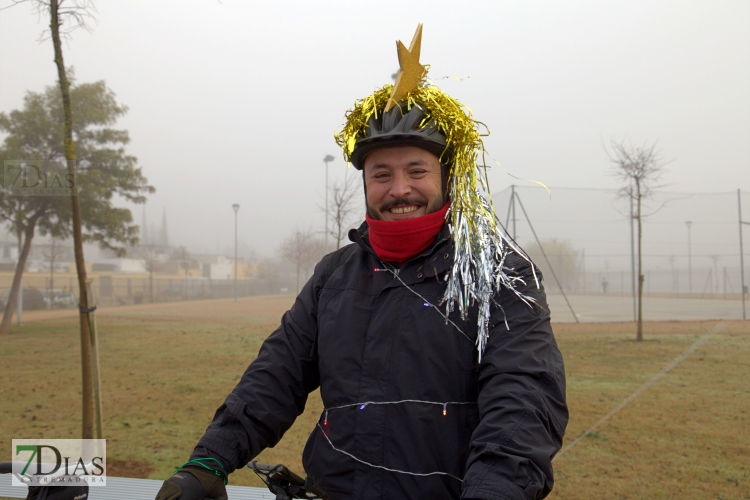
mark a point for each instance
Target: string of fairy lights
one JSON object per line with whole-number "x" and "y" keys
{"x": 426, "y": 302}
{"x": 375, "y": 466}
{"x": 364, "y": 404}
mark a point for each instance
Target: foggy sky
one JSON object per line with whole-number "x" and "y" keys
{"x": 237, "y": 102}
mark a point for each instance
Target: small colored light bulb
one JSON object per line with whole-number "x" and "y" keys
{"x": 325, "y": 420}
{"x": 445, "y": 409}
{"x": 362, "y": 407}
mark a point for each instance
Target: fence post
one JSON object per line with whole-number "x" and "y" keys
{"x": 742, "y": 256}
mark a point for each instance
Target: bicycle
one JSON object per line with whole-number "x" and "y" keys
{"x": 77, "y": 492}
{"x": 285, "y": 484}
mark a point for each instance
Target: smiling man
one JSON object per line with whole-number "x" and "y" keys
{"x": 402, "y": 182}
{"x": 429, "y": 336}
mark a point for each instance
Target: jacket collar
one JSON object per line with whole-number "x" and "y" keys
{"x": 435, "y": 260}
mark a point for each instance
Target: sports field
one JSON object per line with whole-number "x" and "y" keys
{"x": 167, "y": 367}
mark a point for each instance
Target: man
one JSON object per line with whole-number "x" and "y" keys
{"x": 429, "y": 337}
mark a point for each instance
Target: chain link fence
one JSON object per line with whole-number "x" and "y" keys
{"x": 690, "y": 249}
{"x": 123, "y": 289}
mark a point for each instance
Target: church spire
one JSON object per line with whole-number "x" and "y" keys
{"x": 163, "y": 235}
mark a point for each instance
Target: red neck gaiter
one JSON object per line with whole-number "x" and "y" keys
{"x": 400, "y": 240}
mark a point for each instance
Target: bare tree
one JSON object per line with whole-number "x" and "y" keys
{"x": 344, "y": 203}
{"x": 303, "y": 249}
{"x": 639, "y": 168}
{"x": 52, "y": 255}
{"x": 562, "y": 257}
{"x": 268, "y": 268}
{"x": 715, "y": 260}
{"x": 675, "y": 288}
{"x": 268, "y": 273}
{"x": 314, "y": 251}
{"x": 152, "y": 264}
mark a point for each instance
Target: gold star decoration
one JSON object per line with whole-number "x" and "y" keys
{"x": 410, "y": 72}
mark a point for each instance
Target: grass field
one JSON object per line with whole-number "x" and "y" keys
{"x": 167, "y": 367}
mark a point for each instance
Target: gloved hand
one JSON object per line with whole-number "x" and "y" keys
{"x": 193, "y": 483}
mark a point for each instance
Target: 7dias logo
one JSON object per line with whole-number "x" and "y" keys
{"x": 59, "y": 462}
{"x": 37, "y": 178}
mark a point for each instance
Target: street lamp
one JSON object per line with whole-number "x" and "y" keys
{"x": 327, "y": 159}
{"x": 690, "y": 259}
{"x": 236, "y": 208}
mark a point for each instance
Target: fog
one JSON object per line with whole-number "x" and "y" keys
{"x": 237, "y": 102}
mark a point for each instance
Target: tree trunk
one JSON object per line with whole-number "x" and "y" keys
{"x": 339, "y": 222}
{"x": 639, "y": 334}
{"x": 86, "y": 362}
{"x": 52, "y": 259}
{"x": 13, "y": 295}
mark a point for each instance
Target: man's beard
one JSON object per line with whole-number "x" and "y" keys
{"x": 433, "y": 206}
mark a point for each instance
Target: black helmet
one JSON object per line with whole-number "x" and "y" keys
{"x": 400, "y": 127}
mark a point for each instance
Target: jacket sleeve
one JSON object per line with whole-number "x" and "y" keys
{"x": 273, "y": 390}
{"x": 522, "y": 409}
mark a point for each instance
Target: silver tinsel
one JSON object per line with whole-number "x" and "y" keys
{"x": 480, "y": 246}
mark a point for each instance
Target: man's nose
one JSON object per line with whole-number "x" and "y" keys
{"x": 401, "y": 185}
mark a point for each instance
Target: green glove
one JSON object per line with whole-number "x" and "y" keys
{"x": 193, "y": 483}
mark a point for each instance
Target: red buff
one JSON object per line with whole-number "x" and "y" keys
{"x": 400, "y": 240}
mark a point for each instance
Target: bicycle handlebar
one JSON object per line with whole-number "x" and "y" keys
{"x": 282, "y": 481}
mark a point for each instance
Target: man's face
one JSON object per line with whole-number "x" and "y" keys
{"x": 402, "y": 182}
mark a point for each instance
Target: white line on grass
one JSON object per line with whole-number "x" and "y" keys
{"x": 676, "y": 361}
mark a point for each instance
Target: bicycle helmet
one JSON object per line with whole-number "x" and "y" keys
{"x": 400, "y": 126}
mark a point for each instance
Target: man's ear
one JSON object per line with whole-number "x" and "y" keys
{"x": 445, "y": 171}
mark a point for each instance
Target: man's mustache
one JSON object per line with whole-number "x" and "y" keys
{"x": 402, "y": 201}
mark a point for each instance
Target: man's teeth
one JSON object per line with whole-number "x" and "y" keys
{"x": 403, "y": 210}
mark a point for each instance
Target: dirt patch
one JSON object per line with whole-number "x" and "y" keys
{"x": 129, "y": 468}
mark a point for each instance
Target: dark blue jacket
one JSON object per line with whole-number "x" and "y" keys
{"x": 366, "y": 337}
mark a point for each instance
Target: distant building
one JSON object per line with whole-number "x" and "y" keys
{"x": 215, "y": 266}
{"x": 8, "y": 254}
{"x": 119, "y": 266}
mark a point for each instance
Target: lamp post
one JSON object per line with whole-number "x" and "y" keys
{"x": 327, "y": 159}
{"x": 236, "y": 208}
{"x": 690, "y": 259}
